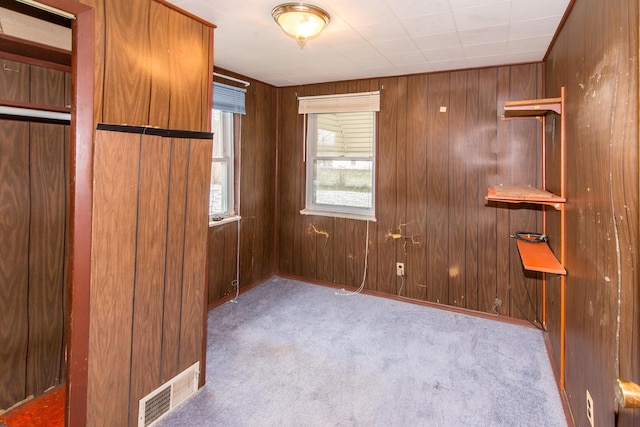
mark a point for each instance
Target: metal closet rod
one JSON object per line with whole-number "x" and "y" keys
{"x": 233, "y": 79}
{"x": 34, "y": 113}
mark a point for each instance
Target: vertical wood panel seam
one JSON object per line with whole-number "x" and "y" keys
{"x": 166, "y": 260}
{"x": 105, "y": 35}
{"x": 184, "y": 248}
{"x": 135, "y": 277}
{"x": 30, "y": 186}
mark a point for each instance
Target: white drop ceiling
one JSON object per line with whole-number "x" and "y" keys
{"x": 376, "y": 38}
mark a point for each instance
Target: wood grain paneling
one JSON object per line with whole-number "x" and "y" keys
{"x": 15, "y": 81}
{"x": 47, "y": 87}
{"x": 457, "y": 188}
{"x": 151, "y": 260}
{"x": 474, "y": 190}
{"x": 115, "y": 191}
{"x": 148, "y": 273}
{"x": 14, "y": 260}
{"x": 195, "y": 249}
{"x": 386, "y": 187}
{"x": 152, "y": 66}
{"x": 256, "y": 134}
{"x": 34, "y": 197}
{"x": 47, "y": 257}
{"x": 595, "y": 57}
{"x": 437, "y": 188}
{"x": 416, "y": 185}
{"x": 440, "y": 144}
{"x": 176, "y": 217}
{"x": 487, "y": 218}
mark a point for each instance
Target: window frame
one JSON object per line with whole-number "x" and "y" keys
{"x": 229, "y": 145}
{"x": 339, "y": 211}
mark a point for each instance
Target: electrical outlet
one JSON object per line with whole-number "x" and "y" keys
{"x": 590, "y": 416}
{"x": 498, "y": 302}
{"x": 399, "y": 268}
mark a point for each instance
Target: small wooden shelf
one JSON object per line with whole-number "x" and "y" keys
{"x": 538, "y": 257}
{"x": 532, "y": 108}
{"x": 524, "y": 194}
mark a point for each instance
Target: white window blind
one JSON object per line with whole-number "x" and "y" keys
{"x": 345, "y": 134}
{"x": 229, "y": 98}
{"x": 343, "y": 103}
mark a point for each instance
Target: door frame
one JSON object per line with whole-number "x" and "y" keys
{"x": 80, "y": 203}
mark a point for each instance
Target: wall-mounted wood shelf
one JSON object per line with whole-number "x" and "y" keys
{"x": 532, "y": 108}
{"x": 524, "y": 194}
{"x": 538, "y": 257}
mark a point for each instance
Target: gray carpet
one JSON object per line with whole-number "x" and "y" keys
{"x": 295, "y": 354}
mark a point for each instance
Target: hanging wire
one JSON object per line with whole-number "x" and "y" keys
{"x": 346, "y": 293}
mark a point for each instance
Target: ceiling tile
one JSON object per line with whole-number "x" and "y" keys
{"x": 437, "y": 41}
{"x": 489, "y": 49}
{"x": 484, "y": 35}
{"x": 359, "y": 13}
{"x": 429, "y": 24}
{"x": 484, "y": 16}
{"x": 373, "y": 38}
{"x": 407, "y": 58}
{"x": 409, "y": 8}
{"x": 394, "y": 46}
{"x": 534, "y": 28}
{"x": 527, "y": 45}
{"x": 526, "y": 10}
{"x": 381, "y": 32}
{"x": 444, "y": 54}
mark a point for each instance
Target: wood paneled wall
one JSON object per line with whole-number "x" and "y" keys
{"x": 596, "y": 58}
{"x": 33, "y": 200}
{"x": 257, "y": 156}
{"x": 148, "y": 268}
{"x": 433, "y": 171}
{"x": 152, "y": 66}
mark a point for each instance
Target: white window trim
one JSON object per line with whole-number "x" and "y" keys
{"x": 228, "y": 158}
{"x": 225, "y": 220}
{"x": 349, "y": 102}
{"x": 336, "y": 211}
{"x": 337, "y": 214}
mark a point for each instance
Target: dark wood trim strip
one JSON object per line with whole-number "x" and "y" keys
{"x": 81, "y": 196}
{"x": 34, "y": 50}
{"x": 145, "y": 130}
{"x": 459, "y": 310}
{"x": 558, "y": 30}
{"x": 556, "y": 374}
{"x": 33, "y": 61}
{"x": 243, "y": 289}
{"x": 205, "y": 317}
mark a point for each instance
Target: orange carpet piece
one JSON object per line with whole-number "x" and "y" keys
{"x": 46, "y": 410}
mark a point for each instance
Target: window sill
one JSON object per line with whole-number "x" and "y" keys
{"x": 223, "y": 221}
{"x": 335, "y": 214}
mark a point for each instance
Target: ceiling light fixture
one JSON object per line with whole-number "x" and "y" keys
{"x": 300, "y": 21}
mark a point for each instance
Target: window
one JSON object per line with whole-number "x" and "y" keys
{"x": 228, "y": 105}
{"x": 340, "y": 155}
{"x": 222, "y": 177}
